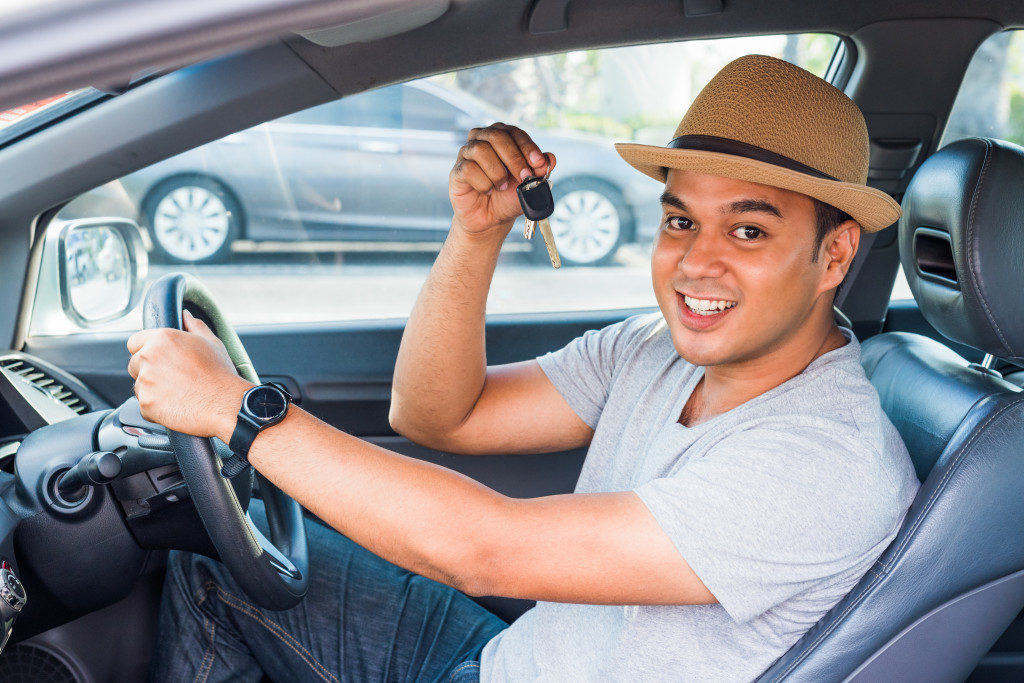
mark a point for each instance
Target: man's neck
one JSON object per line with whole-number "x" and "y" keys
{"x": 725, "y": 387}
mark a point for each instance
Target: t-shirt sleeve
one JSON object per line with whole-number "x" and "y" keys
{"x": 766, "y": 514}
{"x": 582, "y": 370}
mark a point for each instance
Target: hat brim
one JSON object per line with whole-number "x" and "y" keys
{"x": 871, "y": 208}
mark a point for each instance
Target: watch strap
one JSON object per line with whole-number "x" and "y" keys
{"x": 246, "y": 431}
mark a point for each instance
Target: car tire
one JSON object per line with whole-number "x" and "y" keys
{"x": 590, "y": 222}
{"x": 192, "y": 219}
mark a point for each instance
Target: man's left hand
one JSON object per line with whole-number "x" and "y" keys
{"x": 185, "y": 380}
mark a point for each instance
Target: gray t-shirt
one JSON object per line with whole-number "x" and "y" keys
{"x": 779, "y": 505}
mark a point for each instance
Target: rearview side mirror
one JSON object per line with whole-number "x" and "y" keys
{"x": 101, "y": 266}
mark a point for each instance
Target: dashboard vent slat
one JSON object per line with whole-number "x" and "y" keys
{"x": 48, "y": 385}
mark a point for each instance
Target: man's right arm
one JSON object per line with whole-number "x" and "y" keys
{"x": 444, "y": 395}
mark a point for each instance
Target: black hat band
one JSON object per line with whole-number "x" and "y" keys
{"x": 712, "y": 143}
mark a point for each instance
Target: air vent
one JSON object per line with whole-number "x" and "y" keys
{"x": 42, "y": 381}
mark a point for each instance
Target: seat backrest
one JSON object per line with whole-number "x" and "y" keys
{"x": 953, "y": 578}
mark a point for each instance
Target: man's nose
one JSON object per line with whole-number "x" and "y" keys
{"x": 703, "y": 257}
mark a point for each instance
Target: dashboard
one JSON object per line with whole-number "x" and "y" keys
{"x": 34, "y": 394}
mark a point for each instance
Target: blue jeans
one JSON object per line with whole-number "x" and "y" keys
{"x": 363, "y": 619}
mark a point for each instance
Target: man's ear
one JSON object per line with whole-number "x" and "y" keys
{"x": 838, "y": 249}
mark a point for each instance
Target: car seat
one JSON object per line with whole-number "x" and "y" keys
{"x": 953, "y": 578}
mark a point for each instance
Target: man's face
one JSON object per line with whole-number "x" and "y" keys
{"x": 734, "y": 271}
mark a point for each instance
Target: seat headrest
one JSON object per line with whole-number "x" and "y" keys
{"x": 962, "y": 244}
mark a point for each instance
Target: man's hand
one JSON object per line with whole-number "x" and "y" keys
{"x": 185, "y": 380}
{"x": 444, "y": 395}
{"x": 482, "y": 185}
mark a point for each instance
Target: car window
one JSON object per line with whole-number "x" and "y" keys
{"x": 374, "y": 109}
{"x": 424, "y": 111}
{"x": 337, "y": 212}
{"x": 990, "y": 103}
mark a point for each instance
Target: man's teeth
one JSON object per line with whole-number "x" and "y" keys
{"x": 707, "y": 306}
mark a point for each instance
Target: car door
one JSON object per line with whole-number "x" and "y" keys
{"x": 336, "y": 159}
{"x": 328, "y": 324}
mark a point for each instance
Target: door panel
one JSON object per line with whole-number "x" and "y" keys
{"x": 342, "y": 371}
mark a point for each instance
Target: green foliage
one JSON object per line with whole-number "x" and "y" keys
{"x": 815, "y": 51}
{"x": 1013, "y": 90}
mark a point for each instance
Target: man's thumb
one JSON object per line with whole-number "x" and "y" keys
{"x": 195, "y": 325}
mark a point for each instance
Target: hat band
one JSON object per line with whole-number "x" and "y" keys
{"x": 713, "y": 143}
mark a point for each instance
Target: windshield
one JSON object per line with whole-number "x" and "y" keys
{"x": 27, "y": 118}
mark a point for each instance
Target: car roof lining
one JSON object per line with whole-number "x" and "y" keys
{"x": 54, "y": 48}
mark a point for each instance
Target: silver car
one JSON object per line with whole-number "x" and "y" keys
{"x": 371, "y": 167}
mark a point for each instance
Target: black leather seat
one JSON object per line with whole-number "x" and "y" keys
{"x": 953, "y": 578}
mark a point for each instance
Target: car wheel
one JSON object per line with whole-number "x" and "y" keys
{"x": 589, "y": 223}
{"x": 192, "y": 220}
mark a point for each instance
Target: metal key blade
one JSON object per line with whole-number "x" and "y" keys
{"x": 528, "y": 232}
{"x": 549, "y": 242}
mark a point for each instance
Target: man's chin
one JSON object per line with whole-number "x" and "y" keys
{"x": 699, "y": 348}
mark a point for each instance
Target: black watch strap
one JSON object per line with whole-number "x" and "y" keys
{"x": 247, "y": 429}
{"x": 241, "y": 441}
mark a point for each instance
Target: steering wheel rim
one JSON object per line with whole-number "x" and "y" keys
{"x": 273, "y": 572}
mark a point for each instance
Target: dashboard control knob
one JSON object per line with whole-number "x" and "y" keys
{"x": 11, "y": 590}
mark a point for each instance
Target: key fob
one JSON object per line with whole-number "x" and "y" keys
{"x": 535, "y": 198}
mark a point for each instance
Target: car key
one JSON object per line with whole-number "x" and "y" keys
{"x": 537, "y": 202}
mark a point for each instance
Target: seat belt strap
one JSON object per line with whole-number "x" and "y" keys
{"x": 866, "y": 241}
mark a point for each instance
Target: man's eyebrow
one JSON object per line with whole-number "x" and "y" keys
{"x": 752, "y": 206}
{"x": 669, "y": 199}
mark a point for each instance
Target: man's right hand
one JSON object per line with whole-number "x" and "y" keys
{"x": 489, "y": 167}
{"x": 444, "y": 395}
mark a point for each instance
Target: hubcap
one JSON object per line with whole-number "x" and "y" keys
{"x": 191, "y": 223}
{"x": 586, "y": 226}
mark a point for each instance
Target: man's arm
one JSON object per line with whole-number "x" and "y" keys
{"x": 444, "y": 395}
{"x": 593, "y": 548}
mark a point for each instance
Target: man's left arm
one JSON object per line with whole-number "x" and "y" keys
{"x": 580, "y": 548}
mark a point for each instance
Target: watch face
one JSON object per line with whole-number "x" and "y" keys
{"x": 265, "y": 403}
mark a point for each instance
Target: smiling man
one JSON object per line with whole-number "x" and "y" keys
{"x": 740, "y": 478}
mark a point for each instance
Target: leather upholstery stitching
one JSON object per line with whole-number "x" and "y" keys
{"x": 971, "y": 230}
{"x": 897, "y": 554}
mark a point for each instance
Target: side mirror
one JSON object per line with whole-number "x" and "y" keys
{"x": 101, "y": 266}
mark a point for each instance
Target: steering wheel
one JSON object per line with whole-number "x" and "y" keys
{"x": 273, "y": 572}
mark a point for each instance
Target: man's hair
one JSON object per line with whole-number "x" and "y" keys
{"x": 827, "y": 218}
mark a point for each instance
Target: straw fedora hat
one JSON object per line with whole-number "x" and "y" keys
{"x": 763, "y": 120}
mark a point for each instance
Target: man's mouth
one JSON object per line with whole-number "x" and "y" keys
{"x": 702, "y": 314}
{"x": 707, "y": 307}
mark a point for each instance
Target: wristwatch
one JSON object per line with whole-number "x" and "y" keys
{"x": 263, "y": 406}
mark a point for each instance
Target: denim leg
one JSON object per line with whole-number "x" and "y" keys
{"x": 363, "y": 619}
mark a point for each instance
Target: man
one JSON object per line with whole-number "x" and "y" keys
{"x": 741, "y": 476}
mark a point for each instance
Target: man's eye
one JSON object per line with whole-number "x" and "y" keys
{"x": 678, "y": 223}
{"x": 748, "y": 233}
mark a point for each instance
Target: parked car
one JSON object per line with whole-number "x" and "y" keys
{"x": 318, "y": 175}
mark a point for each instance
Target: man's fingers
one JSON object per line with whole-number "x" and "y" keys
{"x": 470, "y": 173}
{"x": 487, "y": 159}
{"x": 507, "y": 149}
{"x": 139, "y": 339}
{"x": 538, "y": 160}
{"x": 196, "y": 326}
{"x": 133, "y": 366}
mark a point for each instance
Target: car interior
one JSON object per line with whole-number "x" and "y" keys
{"x": 944, "y": 601}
